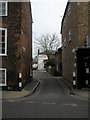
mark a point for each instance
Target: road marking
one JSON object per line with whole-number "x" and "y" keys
{"x": 48, "y": 103}
{"x": 74, "y": 105}
{"x": 31, "y": 102}
{"x": 17, "y": 101}
{"x": 13, "y": 101}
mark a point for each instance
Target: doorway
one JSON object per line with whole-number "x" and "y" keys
{"x": 83, "y": 67}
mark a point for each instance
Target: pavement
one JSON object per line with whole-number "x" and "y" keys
{"x": 83, "y": 92}
{"x": 28, "y": 90}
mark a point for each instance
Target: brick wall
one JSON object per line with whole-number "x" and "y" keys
{"x": 26, "y": 41}
{"x": 77, "y": 21}
{"x": 13, "y": 24}
{"x": 19, "y": 45}
{"x": 82, "y": 23}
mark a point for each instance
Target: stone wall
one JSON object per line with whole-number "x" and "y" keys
{"x": 77, "y": 21}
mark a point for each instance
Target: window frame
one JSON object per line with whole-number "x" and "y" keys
{"x": 6, "y": 8}
{"x": 5, "y": 54}
{"x": 4, "y": 84}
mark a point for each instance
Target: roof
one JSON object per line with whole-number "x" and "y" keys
{"x": 59, "y": 50}
{"x": 51, "y": 52}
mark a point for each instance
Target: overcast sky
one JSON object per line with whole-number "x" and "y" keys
{"x": 47, "y": 16}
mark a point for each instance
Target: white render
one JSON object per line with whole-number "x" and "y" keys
{"x": 41, "y": 58}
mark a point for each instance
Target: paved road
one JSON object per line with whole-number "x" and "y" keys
{"x": 50, "y": 100}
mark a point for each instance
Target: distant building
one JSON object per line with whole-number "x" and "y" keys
{"x": 76, "y": 44}
{"x": 15, "y": 44}
{"x": 35, "y": 63}
{"x": 42, "y": 57}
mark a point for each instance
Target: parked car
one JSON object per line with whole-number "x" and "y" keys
{"x": 35, "y": 66}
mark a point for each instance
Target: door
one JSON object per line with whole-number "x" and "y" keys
{"x": 83, "y": 68}
{"x": 87, "y": 71}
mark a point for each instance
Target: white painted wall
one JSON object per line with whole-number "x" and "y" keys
{"x": 41, "y": 59}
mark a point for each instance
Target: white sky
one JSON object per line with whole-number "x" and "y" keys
{"x": 47, "y": 16}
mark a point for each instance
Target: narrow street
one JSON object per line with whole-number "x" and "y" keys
{"x": 50, "y": 100}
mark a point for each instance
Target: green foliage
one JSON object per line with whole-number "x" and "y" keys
{"x": 50, "y": 62}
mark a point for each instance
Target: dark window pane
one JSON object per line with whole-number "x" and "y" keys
{"x": 3, "y": 5}
{"x": 3, "y": 8}
{"x": 3, "y": 39}
{"x": 3, "y": 51}
{"x": 3, "y": 73}
{"x": 2, "y": 76}
{"x": 3, "y": 80}
{"x": 3, "y": 32}
{"x": 3, "y": 12}
{"x": 3, "y": 45}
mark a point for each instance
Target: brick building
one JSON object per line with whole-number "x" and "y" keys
{"x": 15, "y": 44}
{"x": 76, "y": 44}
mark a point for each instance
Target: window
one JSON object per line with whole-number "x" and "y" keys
{"x": 3, "y": 8}
{"x": 69, "y": 34}
{"x": 2, "y": 77}
{"x": 3, "y": 41}
{"x": 64, "y": 42}
{"x": 69, "y": 10}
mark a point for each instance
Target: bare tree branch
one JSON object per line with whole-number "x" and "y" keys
{"x": 48, "y": 42}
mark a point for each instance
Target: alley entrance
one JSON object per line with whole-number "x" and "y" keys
{"x": 50, "y": 100}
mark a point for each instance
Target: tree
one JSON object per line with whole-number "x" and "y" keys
{"x": 47, "y": 43}
{"x": 50, "y": 62}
